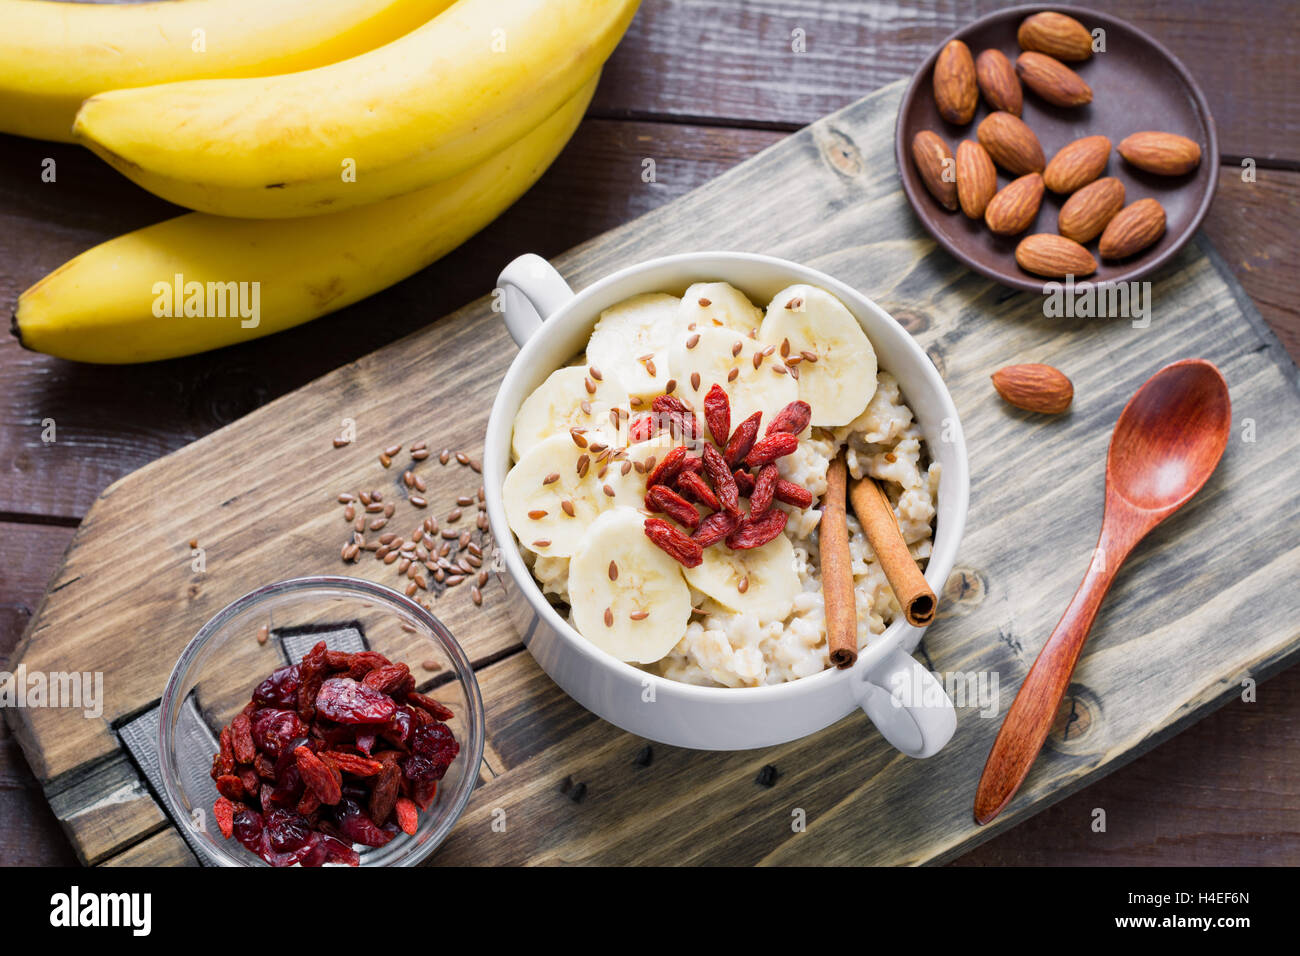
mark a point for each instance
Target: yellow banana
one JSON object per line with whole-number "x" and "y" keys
{"x": 396, "y": 119}
{"x": 126, "y": 300}
{"x": 54, "y": 55}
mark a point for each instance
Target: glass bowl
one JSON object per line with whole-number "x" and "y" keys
{"x": 218, "y": 670}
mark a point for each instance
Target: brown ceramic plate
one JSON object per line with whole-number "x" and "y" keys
{"x": 1136, "y": 85}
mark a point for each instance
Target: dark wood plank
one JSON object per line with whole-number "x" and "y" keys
{"x": 733, "y": 60}
{"x": 111, "y": 420}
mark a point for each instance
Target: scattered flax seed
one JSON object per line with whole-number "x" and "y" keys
{"x": 691, "y": 327}
{"x": 392, "y": 451}
{"x": 464, "y": 539}
{"x": 780, "y": 369}
{"x": 743, "y": 584}
{"x": 421, "y": 582}
{"x": 420, "y": 455}
{"x": 542, "y": 543}
{"x": 636, "y": 401}
{"x": 263, "y": 633}
{"x": 735, "y": 349}
{"x": 482, "y": 494}
{"x": 450, "y": 534}
{"x": 585, "y": 406}
{"x": 567, "y": 507}
{"x": 595, "y": 373}
{"x": 578, "y": 438}
{"x": 341, "y": 442}
{"x": 768, "y": 350}
{"x": 465, "y": 501}
{"x": 346, "y": 498}
{"x": 462, "y": 458}
{"x": 389, "y": 509}
{"x": 431, "y": 665}
{"x": 453, "y": 516}
{"x": 785, "y": 347}
{"x": 808, "y": 356}
{"x": 349, "y": 513}
{"x": 705, "y": 303}
{"x": 359, "y": 539}
{"x": 444, "y": 550}
{"x": 597, "y": 447}
{"x": 609, "y": 492}
{"x": 365, "y": 497}
{"x": 670, "y": 386}
{"x": 794, "y": 372}
{"x": 386, "y": 461}
{"x": 645, "y": 358}
{"x": 430, "y": 525}
{"x": 444, "y": 456}
{"x": 639, "y": 615}
{"x": 554, "y": 476}
{"x": 454, "y": 579}
{"x": 411, "y": 589}
{"x": 732, "y": 375}
{"x": 627, "y": 466}
{"x": 475, "y": 466}
{"x": 613, "y": 570}
{"x": 693, "y": 341}
{"x": 403, "y": 565}
{"x": 603, "y": 469}
{"x": 695, "y": 381}
{"x": 758, "y": 359}
{"x": 476, "y": 596}
{"x": 419, "y": 445}
{"x": 418, "y": 501}
{"x": 649, "y": 464}
{"x": 420, "y": 486}
{"x": 390, "y": 557}
{"x": 795, "y": 304}
{"x": 589, "y": 385}
{"x": 609, "y": 617}
{"x": 374, "y": 507}
{"x": 440, "y": 575}
{"x": 482, "y": 522}
{"x": 378, "y": 523}
{"x": 537, "y": 514}
{"x": 753, "y": 334}
{"x": 482, "y": 578}
{"x": 474, "y": 562}
{"x": 349, "y": 551}
{"x": 408, "y": 478}
{"x": 584, "y": 462}
{"x": 650, "y": 368}
{"x": 359, "y": 524}
{"x": 194, "y": 543}
{"x": 388, "y": 537}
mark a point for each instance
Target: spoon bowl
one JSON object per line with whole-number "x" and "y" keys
{"x": 1165, "y": 446}
{"x": 1170, "y": 437}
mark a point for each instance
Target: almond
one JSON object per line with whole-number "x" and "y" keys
{"x": 1086, "y": 213}
{"x": 1047, "y": 254}
{"x": 1133, "y": 229}
{"x": 955, "y": 91}
{"x": 937, "y": 168}
{"x": 1077, "y": 164}
{"x": 977, "y": 180}
{"x": 1011, "y": 143}
{"x": 998, "y": 82}
{"x": 1056, "y": 35}
{"x": 1165, "y": 154}
{"x": 1052, "y": 80}
{"x": 1035, "y": 388}
{"x": 1014, "y": 207}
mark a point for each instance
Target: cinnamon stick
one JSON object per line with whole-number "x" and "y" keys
{"x": 837, "y": 568}
{"x": 883, "y": 534}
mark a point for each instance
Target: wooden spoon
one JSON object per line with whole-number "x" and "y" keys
{"x": 1167, "y": 442}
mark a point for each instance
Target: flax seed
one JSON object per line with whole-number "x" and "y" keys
{"x": 476, "y": 596}
{"x": 695, "y": 381}
{"x": 609, "y": 492}
{"x": 462, "y": 458}
{"x": 639, "y": 615}
{"x": 465, "y": 501}
{"x": 639, "y": 466}
{"x": 420, "y": 486}
{"x": 390, "y": 557}
{"x": 785, "y": 347}
{"x": 408, "y": 479}
{"x": 613, "y": 570}
{"x": 444, "y": 550}
{"x": 365, "y": 497}
{"x": 464, "y": 538}
{"x": 454, "y": 579}
{"x": 577, "y": 437}
{"x": 794, "y": 372}
{"x": 402, "y": 565}
{"x": 693, "y": 341}
{"x": 636, "y": 401}
{"x": 418, "y": 501}
{"x": 542, "y": 543}
{"x": 808, "y": 356}
{"x": 555, "y": 475}
{"x": 537, "y": 514}
{"x": 597, "y": 447}
{"x": 345, "y": 498}
{"x": 584, "y": 462}
{"x": 731, "y": 376}
{"x": 595, "y": 373}
{"x": 385, "y": 461}
{"x": 420, "y": 455}
{"x": 411, "y": 589}
{"x": 453, "y": 516}
{"x": 743, "y": 584}
{"x": 779, "y": 369}
{"x": 474, "y": 562}
{"x": 795, "y": 304}
{"x": 482, "y": 578}
{"x": 670, "y": 386}
{"x": 758, "y": 359}
{"x": 890, "y": 457}
{"x": 378, "y": 523}
{"x": 735, "y": 349}
{"x": 349, "y": 551}
{"x": 349, "y": 513}
{"x": 444, "y": 456}
{"x": 482, "y": 522}
{"x": 374, "y": 508}
{"x": 263, "y": 633}
{"x": 341, "y": 442}
{"x": 389, "y": 509}
{"x": 475, "y": 466}
{"x": 422, "y": 582}
{"x": 359, "y": 524}
{"x": 650, "y": 368}
{"x": 609, "y": 617}
{"x": 431, "y": 665}
{"x": 440, "y": 575}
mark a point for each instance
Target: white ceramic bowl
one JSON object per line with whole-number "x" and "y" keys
{"x": 551, "y": 324}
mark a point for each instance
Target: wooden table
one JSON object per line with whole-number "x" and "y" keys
{"x": 691, "y": 88}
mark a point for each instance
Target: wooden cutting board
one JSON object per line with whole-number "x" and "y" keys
{"x": 1208, "y": 602}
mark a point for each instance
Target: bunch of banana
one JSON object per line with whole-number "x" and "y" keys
{"x": 314, "y": 188}
{"x": 627, "y": 596}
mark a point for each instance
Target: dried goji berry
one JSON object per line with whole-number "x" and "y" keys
{"x": 742, "y": 440}
{"x": 692, "y": 486}
{"x": 407, "y": 815}
{"x": 771, "y": 448}
{"x": 754, "y": 532}
{"x": 744, "y": 481}
{"x": 228, "y": 785}
{"x": 679, "y": 547}
{"x": 724, "y": 483}
{"x": 223, "y": 811}
{"x": 337, "y": 660}
{"x": 318, "y": 776}
{"x": 714, "y": 528}
{"x": 794, "y": 418}
{"x": 792, "y": 494}
{"x": 435, "y": 709}
{"x": 717, "y": 414}
{"x": 363, "y": 662}
{"x": 352, "y": 763}
{"x": 241, "y": 739}
{"x": 386, "y": 679}
{"x": 309, "y": 803}
{"x": 248, "y": 777}
{"x": 345, "y": 701}
{"x": 760, "y": 499}
{"x": 662, "y": 498}
{"x": 669, "y": 468}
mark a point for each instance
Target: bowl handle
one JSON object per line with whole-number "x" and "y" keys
{"x": 907, "y": 704}
{"x": 532, "y": 291}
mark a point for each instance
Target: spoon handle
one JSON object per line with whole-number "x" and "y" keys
{"x": 1034, "y": 709}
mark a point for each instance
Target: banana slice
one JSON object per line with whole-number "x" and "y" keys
{"x": 631, "y": 339}
{"x": 543, "y": 488}
{"x": 713, "y": 354}
{"x": 628, "y": 597}
{"x": 709, "y": 305}
{"x": 842, "y": 380}
{"x": 569, "y": 398}
{"x": 759, "y": 581}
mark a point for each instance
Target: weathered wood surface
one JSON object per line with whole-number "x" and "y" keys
{"x": 1182, "y": 627}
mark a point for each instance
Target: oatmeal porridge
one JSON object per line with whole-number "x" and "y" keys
{"x": 665, "y": 485}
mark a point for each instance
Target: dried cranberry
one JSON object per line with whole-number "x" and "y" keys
{"x": 399, "y": 727}
{"x": 287, "y": 830}
{"x": 345, "y": 701}
{"x": 273, "y": 729}
{"x": 356, "y": 826}
{"x": 288, "y": 858}
{"x": 433, "y": 748}
{"x": 247, "y": 827}
{"x": 280, "y": 689}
